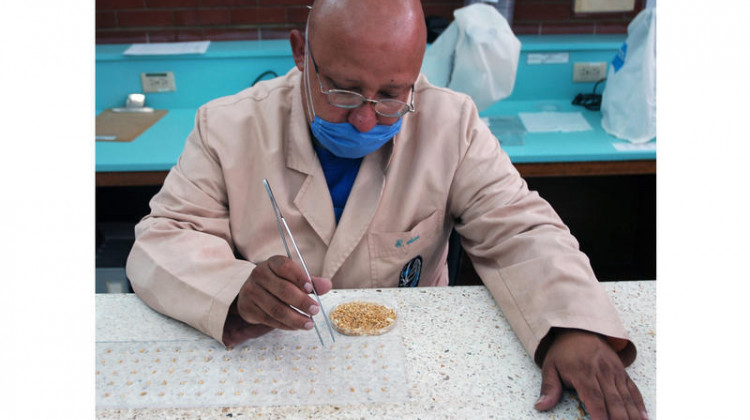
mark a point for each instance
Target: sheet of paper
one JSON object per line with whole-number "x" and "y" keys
{"x": 546, "y": 122}
{"x": 168, "y": 48}
{"x": 633, "y": 147}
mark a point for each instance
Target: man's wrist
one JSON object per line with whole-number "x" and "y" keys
{"x": 554, "y": 334}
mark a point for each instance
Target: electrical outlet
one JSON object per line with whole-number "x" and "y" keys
{"x": 158, "y": 82}
{"x": 589, "y": 72}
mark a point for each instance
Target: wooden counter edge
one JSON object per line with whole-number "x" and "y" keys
{"x": 527, "y": 170}
{"x": 130, "y": 179}
{"x": 594, "y": 168}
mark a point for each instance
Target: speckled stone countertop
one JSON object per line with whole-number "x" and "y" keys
{"x": 461, "y": 359}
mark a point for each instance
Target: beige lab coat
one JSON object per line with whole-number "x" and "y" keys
{"x": 212, "y": 220}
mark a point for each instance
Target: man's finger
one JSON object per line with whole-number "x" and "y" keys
{"x": 637, "y": 398}
{"x": 613, "y": 400}
{"x": 257, "y": 305}
{"x": 287, "y": 269}
{"x": 632, "y": 398}
{"x": 591, "y": 395}
{"x": 288, "y": 293}
{"x": 278, "y": 311}
{"x": 253, "y": 313}
{"x": 551, "y": 389}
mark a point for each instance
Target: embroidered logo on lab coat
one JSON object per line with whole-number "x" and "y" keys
{"x": 400, "y": 242}
{"x": 409, "y": 276}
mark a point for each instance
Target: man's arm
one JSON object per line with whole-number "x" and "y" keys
{"x": 183, "y": 263}
{"x": 535, "y": 271}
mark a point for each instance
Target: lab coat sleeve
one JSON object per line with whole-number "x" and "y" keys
{"x": 522, "y": 250}
{"x": 183, "y": 262}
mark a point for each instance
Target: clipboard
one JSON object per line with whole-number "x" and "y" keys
{"x": 114, "y": 126}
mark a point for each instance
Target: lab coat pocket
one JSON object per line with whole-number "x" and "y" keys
{"x": 389, "y": 251}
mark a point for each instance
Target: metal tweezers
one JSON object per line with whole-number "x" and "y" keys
{"x": 279, "y": 222}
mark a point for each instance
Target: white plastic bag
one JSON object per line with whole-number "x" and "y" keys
{"x": 477, "y": 54}
{"x": 629, "y": 97}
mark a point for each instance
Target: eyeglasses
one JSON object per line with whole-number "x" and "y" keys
{"x": 390, "y": 108}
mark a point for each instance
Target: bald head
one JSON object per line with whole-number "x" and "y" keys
{"x": 389, "y": 29}
{"x": 399, "y": 20}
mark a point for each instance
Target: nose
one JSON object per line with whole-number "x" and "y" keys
{"x": 363, "y": 118}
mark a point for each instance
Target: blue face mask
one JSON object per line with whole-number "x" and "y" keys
{"x": 344, "y": 140}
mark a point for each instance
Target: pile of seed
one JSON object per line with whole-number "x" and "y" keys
{"x": 362, "y": 318}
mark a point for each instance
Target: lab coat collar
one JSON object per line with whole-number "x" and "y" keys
{"x": 313, "y": 200}
{"x": 360, "y": 209}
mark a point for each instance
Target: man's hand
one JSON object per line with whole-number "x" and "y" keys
{"x": 585, "y": 362}
{"x": 264, "y": 301}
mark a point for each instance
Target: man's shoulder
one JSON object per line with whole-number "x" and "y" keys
{"x": 435, "y": 98}
{"x": 441, "y": 105}
{"x": 424, "y": 87}
{"x": 276, "y": 90}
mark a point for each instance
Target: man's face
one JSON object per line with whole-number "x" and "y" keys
{"x": 376, "y": 69}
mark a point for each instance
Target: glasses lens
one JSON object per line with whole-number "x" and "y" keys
{"x": 344, "y": 99}
{"x": 391, "y": 108}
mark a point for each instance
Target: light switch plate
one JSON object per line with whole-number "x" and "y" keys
{"x": 603, "y": 6}
{"x": 158, "y": 82}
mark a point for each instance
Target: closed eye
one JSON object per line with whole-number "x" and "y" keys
{"x": 387, "y": 95}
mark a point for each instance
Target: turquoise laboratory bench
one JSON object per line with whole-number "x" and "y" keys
{"x": 228, "y": 67}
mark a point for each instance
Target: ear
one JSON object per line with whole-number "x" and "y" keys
{"x": 297, "y": 40}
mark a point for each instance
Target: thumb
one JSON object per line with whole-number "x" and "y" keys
{"x": 551, "y": 388}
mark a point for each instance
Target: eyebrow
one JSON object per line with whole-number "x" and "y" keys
{"x": 357, "y": 82}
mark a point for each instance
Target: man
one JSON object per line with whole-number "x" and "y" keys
{"x": 372, "y": 167}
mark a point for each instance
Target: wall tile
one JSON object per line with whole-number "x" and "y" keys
{"x": 278, "y": 33}
{"x": 120, "y": 37}
{"x": 175, "y": 35}
{"x": 145, "y": 18}
{"x": 210, "y": 3}
{"x": 105, "y": 20}
{"x": 567, "y": 28}
{"x": 530, "y": 12}
{"x": 119, "y": 4}
{"x": 526, "y": 29}
{"x": 452, "y": 3}
{"x": 231, "y": 34}
{"x": 441, "y": 10}
{"x": 202, "y": 17}
{"x": 258, "y": 15}
{"x": 285, "y": 2}
{"x": 612, "y": 27}
{"x": 162, "y": 36}
{"x": 154, "y": 4}
{"x": 297, "y": 14}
